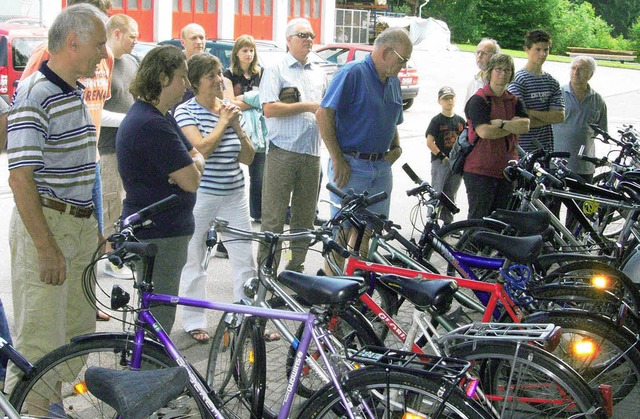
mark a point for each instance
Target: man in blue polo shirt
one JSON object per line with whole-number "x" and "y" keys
{"x": 358, "y": 118}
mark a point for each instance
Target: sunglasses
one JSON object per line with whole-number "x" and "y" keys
{"x": 303, "y": 35}
{"x": 400, "y": 57}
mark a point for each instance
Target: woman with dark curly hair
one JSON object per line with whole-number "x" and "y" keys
{"x": 156, "y": 160}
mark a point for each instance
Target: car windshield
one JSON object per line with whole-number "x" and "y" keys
{"x": 22, "y": 49}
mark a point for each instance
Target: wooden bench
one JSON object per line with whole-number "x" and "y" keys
{"x": 603, "y": 54}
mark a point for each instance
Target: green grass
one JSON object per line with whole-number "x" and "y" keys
{"x": 558, "y": 58}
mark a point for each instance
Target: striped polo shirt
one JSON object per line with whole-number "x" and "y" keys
{"x": 50, "y": 128}
{"x": 222, "y": 173}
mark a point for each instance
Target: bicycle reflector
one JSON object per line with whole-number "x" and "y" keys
{"x": 600, "y": 281}
{"x": 80, "y": 388}
{"x": 585, "y": 348}
{"x": 607, "y": 398}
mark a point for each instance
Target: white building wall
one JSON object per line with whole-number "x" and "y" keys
{"x": 162, "y": 19}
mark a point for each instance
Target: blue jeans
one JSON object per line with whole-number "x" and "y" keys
{"x": 256, "y": 174}
{"x": 6, "y": 335}
{"x": 96, "y": 196}
{"x": 370, "y": 176}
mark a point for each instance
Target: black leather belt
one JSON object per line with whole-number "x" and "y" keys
{"x": 66, "y": 208}
{"x": 366, "y": 156}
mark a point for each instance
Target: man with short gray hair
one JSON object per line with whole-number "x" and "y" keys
{"x": 51, "y": 149}
{"x": 582, "y": 106}
{"x": 290, "y": 92}
{"x": 487, "y": 48}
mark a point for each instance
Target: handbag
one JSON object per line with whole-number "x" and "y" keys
{"x": 459, "y": 152}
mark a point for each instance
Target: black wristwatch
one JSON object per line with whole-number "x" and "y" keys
{"x": 502, "y": 124}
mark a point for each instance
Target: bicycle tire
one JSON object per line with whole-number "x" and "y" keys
{"x": 410, "y": 393}
{"x": 616, "y": 361}
{"x": 584, "y": 298}
{"x": 584, "y": 271}
{"x": 236, "y": 367}
{"x": 545, "y": 386}
{"x": 65, "y": 367}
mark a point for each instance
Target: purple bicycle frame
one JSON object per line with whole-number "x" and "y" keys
{"x": 145, "y": 317}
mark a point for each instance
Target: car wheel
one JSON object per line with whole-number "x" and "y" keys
{"x": 406, "y": 104}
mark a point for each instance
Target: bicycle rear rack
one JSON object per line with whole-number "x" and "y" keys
{"x": 410, "y": 362}
{"x": 513, "y": 332}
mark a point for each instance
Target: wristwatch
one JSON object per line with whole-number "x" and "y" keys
{"x": 502, "y": 124}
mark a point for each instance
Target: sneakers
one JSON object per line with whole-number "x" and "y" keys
{"x": 221, "y": 252}
{"x": 115, "y": 272}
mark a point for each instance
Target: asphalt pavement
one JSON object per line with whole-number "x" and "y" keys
{"x": 619, "y": 87}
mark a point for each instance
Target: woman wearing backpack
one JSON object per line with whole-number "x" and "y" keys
{"x": 495, "y": 118}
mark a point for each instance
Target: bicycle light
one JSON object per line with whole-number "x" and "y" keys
{"x": 119, "y": 297}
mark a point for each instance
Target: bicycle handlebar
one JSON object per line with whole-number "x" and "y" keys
{"x": 425, "y": 187}
{"x": 14, "y": 356}
{"x": 144, "y": 214}
{"x": 350, "y": 195}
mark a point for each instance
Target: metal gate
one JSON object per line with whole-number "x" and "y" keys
{"x": 352, "y": 26}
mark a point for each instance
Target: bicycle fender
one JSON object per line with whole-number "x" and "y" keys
{"x": 115, "y": 336}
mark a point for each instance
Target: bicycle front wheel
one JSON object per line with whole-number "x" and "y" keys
{"x": 236, "y": 370}
{"x": 523, "y": 381}
{"x": 59, "y": 388}
{"x": 382, "y": 394}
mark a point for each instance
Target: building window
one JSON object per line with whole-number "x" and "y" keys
{"x": 117, "y": 4}
{"x": 147, "y": 5}
{"x": 211, "y": 6}
{"x": 186, "y": 5}
{"x": 246, "y": 7}
{"x": 199, "y": 6}
{"x": 268, "y": 5}
{"x": 257, "y": 7}
{"x": 296, "y": 8}
{"x": 132, "y": 4}
{"x": 316, "y": 8}
{"x": 176, "y": 5}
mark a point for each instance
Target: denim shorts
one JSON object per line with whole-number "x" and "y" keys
{"x": 370, "y": 176}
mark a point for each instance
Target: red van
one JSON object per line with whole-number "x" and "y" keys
{"x": 18, "y": 38}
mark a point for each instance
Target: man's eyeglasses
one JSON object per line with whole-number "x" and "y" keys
{"x": 303, "y": 35}
{"x": 400, "y": 57}
{"x": 483, "y": 53}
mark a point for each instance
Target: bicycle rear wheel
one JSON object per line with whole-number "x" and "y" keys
{"x": 383, "y": 394}
{"x": 59, "y": 388}
{"x": 601, "y": 353}
{"x": 523, "y": 381}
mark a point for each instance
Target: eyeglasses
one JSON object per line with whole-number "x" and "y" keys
{"x": 303, "y": 35}
{"x": 502, "y": 70}
{"x": 483, "y": 53}
{"x": 400, "y": 57}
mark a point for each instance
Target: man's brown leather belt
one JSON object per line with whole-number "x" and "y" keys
{"x": 366, "y": 156}
{"x": 66, "y": 208}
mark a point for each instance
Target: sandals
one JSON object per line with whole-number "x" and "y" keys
{"x": 102, "y": 316}
{"x": 200, "y": 336}
{"x": 271, "y": 337}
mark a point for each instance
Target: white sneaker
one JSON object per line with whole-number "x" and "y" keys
{"x": 112, "y": 270}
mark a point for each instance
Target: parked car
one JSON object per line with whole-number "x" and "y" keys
{"x": 140, "y": 49}
{"x": 268, "y": 52}
{"x": 18, "y": 38}
{"x": 340, "y": 54}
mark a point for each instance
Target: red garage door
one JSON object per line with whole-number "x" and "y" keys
{"x": 308, "y": 9}
{"x": 141, "y": 11}
{"x": 203, "y": 12}
{"x": 255, "y": 18}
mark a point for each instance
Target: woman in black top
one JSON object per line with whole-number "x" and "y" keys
{"x": 244, "y": 76}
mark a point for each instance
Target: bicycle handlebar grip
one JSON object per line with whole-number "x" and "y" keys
{"x": 20, "y": 361}
{"x": 334, "y": 190}
{"x": 560, "y": 154}
{"x": 142, "y": 249}
{"x": 447, "y": 202}
{"x": 379, "y": 197}
{"x": 332, "y": 245}
{"x": 144, "y": 214}
{"x": 409, "y": 171}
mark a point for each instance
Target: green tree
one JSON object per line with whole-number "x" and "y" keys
{"x": 621, "y": 14}
{"x": 457, "y": 14}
